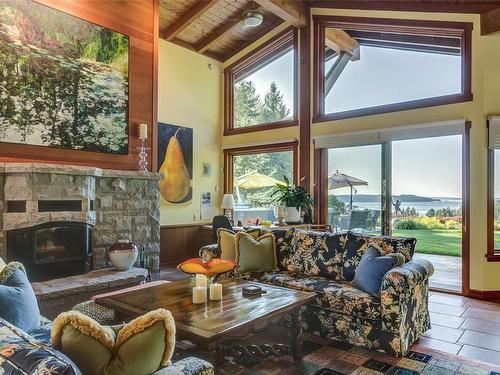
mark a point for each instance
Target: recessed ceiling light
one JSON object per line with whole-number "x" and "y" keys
{"x": 253, "y": 18}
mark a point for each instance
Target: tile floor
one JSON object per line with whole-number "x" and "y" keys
{"x": 460, "y": 325}
{"x": 464, "y": 326}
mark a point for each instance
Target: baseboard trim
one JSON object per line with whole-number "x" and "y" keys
{"x": 485, "y": 294}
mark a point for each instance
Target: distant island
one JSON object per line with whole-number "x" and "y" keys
{"x": 376, "y": 198}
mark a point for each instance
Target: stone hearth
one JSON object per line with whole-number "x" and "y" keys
{"x": 118, "y": 204}
{"x": 58, "y": 295}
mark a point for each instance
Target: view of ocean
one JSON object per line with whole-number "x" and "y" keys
{"x": 421, "y": 207}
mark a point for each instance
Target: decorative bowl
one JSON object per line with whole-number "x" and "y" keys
{"x": 211, "y": 268}
{"x": 123, "y": 255}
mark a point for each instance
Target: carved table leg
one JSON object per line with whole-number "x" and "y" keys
{"x": 296, "y": 333}
{"x": 219, "y": 355}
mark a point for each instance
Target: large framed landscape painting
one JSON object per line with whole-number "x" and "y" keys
{"x": 175, "y": 163}
{"x": 63, "y": 80}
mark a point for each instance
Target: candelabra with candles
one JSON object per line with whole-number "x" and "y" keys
{"x": 143, "y": 155}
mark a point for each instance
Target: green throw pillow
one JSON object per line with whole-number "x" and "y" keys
{"x": 140, "y": 347}
{"x": 226, "y": 240}
{"x": 255, "y": 255}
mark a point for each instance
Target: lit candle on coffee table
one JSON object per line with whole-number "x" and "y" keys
{"x": 216, "y": 292}
{"x": 201, "y": 280}
{"x": 199, "y": 294}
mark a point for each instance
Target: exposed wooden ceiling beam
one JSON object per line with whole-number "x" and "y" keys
{"x": 490, "y": 22}
{"x": 191, "y": 47}
{"x": 186, "y": 19}
{"x": 293, "y": 11}
{"x": 338, "y": 40}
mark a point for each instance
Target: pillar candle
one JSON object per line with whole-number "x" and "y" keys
{"x": 216, "y": 292}
{"x": 143, "y": 131}
{"x": 199, "y": 294}
{"x": 201, "y": 280}
{"x": 281, "y": 211}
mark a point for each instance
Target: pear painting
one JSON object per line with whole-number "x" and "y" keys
{"x": 175, "y": 160}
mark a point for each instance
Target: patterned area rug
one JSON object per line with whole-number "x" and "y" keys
{"x": 327, "y": 357}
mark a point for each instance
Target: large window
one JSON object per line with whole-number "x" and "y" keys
{"x": 251, "y": 174}
{"x": 369, "y": 66}
{"x": 260, "y": 89}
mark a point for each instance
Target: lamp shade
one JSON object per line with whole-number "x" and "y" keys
{"x": 228, "y": 202}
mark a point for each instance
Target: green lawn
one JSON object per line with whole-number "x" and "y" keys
{"x": 497, "y": 239}
{"x": 439, "y": 242}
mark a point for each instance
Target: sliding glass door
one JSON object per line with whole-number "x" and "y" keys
{"x": 427, "y": 203}
{"x": 355, "y": 188}
{"x": 405, "y": 186}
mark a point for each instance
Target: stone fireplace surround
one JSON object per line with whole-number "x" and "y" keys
{"x": 119, "y": 204}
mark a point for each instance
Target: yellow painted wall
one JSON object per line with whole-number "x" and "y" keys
{"x": 189, "y": 94}
{"x": 486, "y": 90}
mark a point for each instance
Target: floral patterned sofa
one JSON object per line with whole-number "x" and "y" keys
{"x": 22, "y": 353}
{"x": 326, "y": 263}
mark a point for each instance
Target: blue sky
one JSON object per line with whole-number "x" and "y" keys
{"x": 279, "y": 71}
{"x": 427, "y": 167}
{"x": 430, "y": 167}
{"x": 385, "y": 76}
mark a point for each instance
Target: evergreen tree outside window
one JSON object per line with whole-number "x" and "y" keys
{"x": 260, "y": 89}
{"x": 253, "y": 106}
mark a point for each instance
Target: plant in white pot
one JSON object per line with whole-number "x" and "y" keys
{"x": 295, "y": 199}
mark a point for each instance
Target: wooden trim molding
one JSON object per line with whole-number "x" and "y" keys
{"x": 229, "y": 155}
{"x": 305, "y": 106}
{"x": 466, "y": 210}
{"x": 261, "y": 55}
{"x": 154, "y": 125}
{"x": 492, "y": 254}
{"x": 440, "y": 6}
{"x": 410, "y": 27}
{"x": 489, "y": 295}
{"x": 321, "y": 186}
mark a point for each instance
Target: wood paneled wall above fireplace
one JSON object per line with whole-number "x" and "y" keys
{"x": 139, "y": 20}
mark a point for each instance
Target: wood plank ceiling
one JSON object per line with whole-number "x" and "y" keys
{"x": 212, "y": 27}
{"x": 215, "y": 28}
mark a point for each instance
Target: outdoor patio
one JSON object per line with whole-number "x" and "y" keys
{"x": 447, "y": 271}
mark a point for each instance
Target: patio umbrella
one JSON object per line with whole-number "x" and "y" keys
{"x": 339, "y": 180}
{"x": 254, "y": 180}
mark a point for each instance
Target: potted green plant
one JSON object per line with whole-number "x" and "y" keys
{"x": 295, "y": 199}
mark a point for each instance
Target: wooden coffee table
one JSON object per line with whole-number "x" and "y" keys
{"x": 212, "y": 324}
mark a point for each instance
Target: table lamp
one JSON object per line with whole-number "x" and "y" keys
{"x": 228, "y": 205}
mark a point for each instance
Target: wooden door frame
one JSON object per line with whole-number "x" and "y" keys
{"x": 466, "y": 210}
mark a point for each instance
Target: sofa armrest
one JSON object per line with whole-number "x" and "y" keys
{"x": 404, "y": 300}
{"x": 187, "y": 366}
{"x": 407, "y": 276}
{"x": 209, "y": 252}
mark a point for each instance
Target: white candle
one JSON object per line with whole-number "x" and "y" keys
{"x": 281, "y": 211}
{"x": 199, "y": 294}
{"x": 143, "y": 131}
{"x": 216, "y": 292}
{"x": 201, "y": 280}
